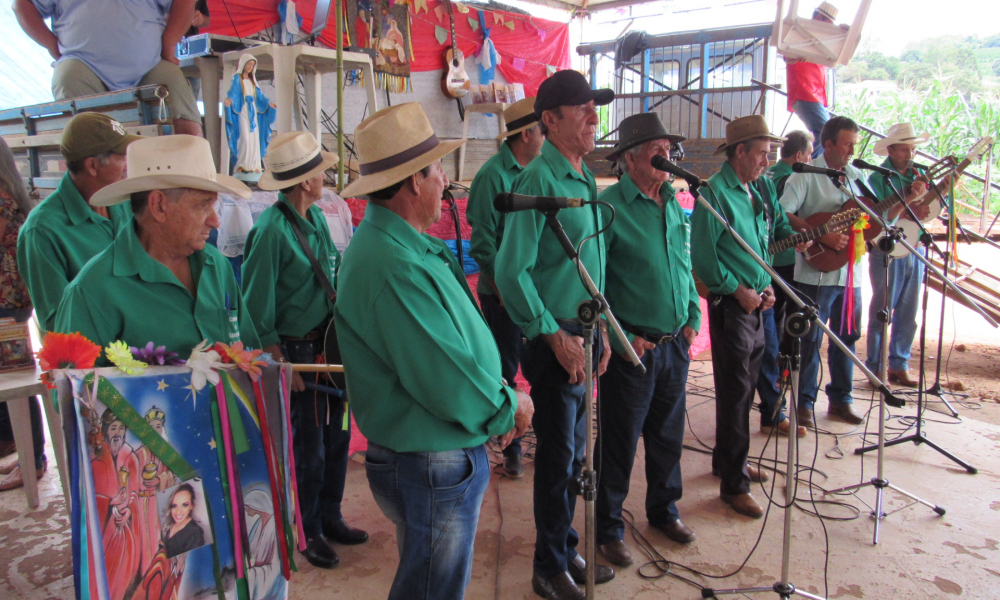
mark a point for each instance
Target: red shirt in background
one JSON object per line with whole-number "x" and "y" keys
{"x": 806, "y": 81}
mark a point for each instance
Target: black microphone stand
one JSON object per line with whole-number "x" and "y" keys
{"x": 589, "y": 312}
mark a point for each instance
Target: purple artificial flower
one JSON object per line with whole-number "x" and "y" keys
{"x": 157, "y": 356}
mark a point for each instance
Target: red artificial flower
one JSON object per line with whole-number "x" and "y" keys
{"x": 66, "y": 351}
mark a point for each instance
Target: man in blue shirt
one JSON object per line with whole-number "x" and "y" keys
{"x": 107, "y": 45}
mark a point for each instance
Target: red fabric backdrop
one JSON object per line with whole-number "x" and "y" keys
{"x": 538, "y": 42}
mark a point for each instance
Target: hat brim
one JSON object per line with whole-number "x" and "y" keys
{"x": 383, "y": 179}
{"x": 119, "y": 192}
{"x": 614, "y": 156}
{"x": 518, "y": 130}
{"x": 772, "y": 138}
{"x": 269, "y": 183}
{"x": 882, "y": 146}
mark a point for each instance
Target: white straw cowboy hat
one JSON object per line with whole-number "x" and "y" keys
{"x": 393, "y": 144}
{"x": 746, "y": 128}
{"x": 519, "y": 116}
{"x": 293, "y": 158}
{"x": 165, "y": 162}
{"x": 900, "y": 133}
{"x": 827, "y": 10}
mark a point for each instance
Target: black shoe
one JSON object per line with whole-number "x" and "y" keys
{"x": 319, "y": 553}
{"x": 578, "y": 571}
{"x": 512, "y": 466}
{"x": 560, "y": 587}
{"x": 342, "y": 533}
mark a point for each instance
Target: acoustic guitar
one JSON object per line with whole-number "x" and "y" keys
{"x": 836, "y": 224}
{"x": 455, "y": 82}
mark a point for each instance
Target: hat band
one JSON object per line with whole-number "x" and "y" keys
{"x": 300, "y": 170}
{"x": 519, "y": 123}
{"x": 400, "y": 158}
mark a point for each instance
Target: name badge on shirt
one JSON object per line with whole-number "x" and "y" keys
{"x": 234, "y": 326}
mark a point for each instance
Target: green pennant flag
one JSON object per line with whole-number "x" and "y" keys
{"x": 441, "y": 34}
{"x": 474, "y": 24}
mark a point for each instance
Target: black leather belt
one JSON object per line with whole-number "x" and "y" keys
{"x": 655, "y": 338}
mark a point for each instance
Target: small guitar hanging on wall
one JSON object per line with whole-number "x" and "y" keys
{"x": 455, "y": 82}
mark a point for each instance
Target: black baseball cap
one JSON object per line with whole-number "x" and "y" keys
{"x": 569, "y": 88}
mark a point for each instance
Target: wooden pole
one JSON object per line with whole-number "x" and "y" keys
{"x": 318, "y": 368}
{"x": 340, "y": 95}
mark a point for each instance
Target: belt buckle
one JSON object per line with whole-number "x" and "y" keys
{"x": 666, "y": 339}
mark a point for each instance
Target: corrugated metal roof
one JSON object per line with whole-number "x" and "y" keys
{"x": 25, "y": 67}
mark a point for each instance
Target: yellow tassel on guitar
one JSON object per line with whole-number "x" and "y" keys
{"x": 858, "y": 238}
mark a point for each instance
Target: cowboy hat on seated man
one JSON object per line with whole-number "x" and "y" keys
{"x": 159, "y": 281}
{"x": 422, "y": 369}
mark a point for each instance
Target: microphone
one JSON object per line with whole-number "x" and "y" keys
{"x": 804, "y": 168}
{"x": 860, "y": 164}
{"x": 506, "y": 202}
{"x": 917, "y": 165}
{"x": 662, "y": 164}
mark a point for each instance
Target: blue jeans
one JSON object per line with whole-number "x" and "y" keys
{"x": 508, "y": 338}
{"x": 814, "y": 116}
{"x": 433, "y": 498}
{"x": 560, "y": 424}
{"x": 651, "y": 404}
{"x": 320, "y": 444}
{"x": 767, "y": 379}
{"x": 906, "y": 274}
{"x": 830, "y": 300}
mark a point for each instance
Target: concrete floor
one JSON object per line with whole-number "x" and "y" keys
{"x": 920, "y": 555}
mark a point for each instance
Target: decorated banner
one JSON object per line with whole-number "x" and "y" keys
{"x": 180, "y": 493}
{"x": 384, "y": 26}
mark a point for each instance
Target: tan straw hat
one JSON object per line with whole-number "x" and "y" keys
{"x": 746, "y": 128}
{"x": 293, "y": 158}
{"x": 900, "y": 133}
{"x": 165, "y": 162}
{"x": 519, "y": 116}
{"x": 393, "y": 144}
{"x": 827, "y": 10}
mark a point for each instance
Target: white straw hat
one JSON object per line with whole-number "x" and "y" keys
{"x": 293, "y": 158}
{"x": 900, "y": 133}
{"x": 518, "y": 117}
{"x": 165, "y": 162}
{"x": 393, "y": 144}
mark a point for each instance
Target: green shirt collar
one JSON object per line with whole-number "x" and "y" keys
{"x": 73, "y": 203}
{"x": 780, "y": 169}
{"x": 507, "y": 158}
{"x": 398, "y": 229}
{"x": 304, "y": 224}
{"x": 630, "y": 191}
{"x": 559, "y": 165}
{"x": 130, "y": 258}
{"x": 728, "y": 176}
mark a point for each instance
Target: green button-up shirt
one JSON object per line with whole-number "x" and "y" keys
{"x": 878, "y": 185}
{"x": 778, "y": 174}
{"x": 60, "y": 235}
{"x": 125, "y": 294}
{"x": 721, "y": 264}
{"x": 496, "y": 175}
{"x": 650, "y": 286}
{"x": 538, "y": 282}
{"x": 422, "y": 368}
{"x": 281, "y": 290}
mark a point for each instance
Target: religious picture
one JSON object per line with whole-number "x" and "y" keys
{"x": 385, "y": 27}
{"x": 264, "y": 575}
{"x": 249, "y": 116}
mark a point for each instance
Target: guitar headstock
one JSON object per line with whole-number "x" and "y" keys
{"x": 843, "y": 220}
{"x": 979, "y": 148}
{"x": 941, "y": 168}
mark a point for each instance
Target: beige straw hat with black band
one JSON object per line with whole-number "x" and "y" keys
{"x": 293, "y": 158}
{"x": 827, "y": 10}
{"x": 518, "y": 117}
{"x": 167, "y": 162}
{"x": 393, "y": 144}
{"x": 746, "y": 128}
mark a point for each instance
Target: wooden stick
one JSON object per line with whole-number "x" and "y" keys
{"x": 318, "y": 368}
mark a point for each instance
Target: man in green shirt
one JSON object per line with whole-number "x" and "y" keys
{"x": 422, "y": 369}
{"x": 158, "y": 282}
{"x": 541, "y": 289}
{"x": 906, "y": 273}
{"x": 651, "y": 288}
{"x": 523, "y": 142}
{"x": 63, "y": 232}
{"x": 291, "y": 310}
{"x": 797, "y": 148}
{"x": 740, "y": 290}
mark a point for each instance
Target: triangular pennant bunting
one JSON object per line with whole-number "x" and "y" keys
{"x": 441, "y": 34}
{"x": 518, "y": 63}
{"x": 474, "y": 24}
{"x": 418, "y": 4}
{"x": 540, "y": 32}
{"x": 550, "y": 70}
{"x": 462, "y": 8}
{"x": 510, "y": 24}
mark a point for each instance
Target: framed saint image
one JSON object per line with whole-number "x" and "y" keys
{"x": 183, "y": 518}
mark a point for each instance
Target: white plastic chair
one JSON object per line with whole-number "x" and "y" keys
{"x": 816, "y": 41}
